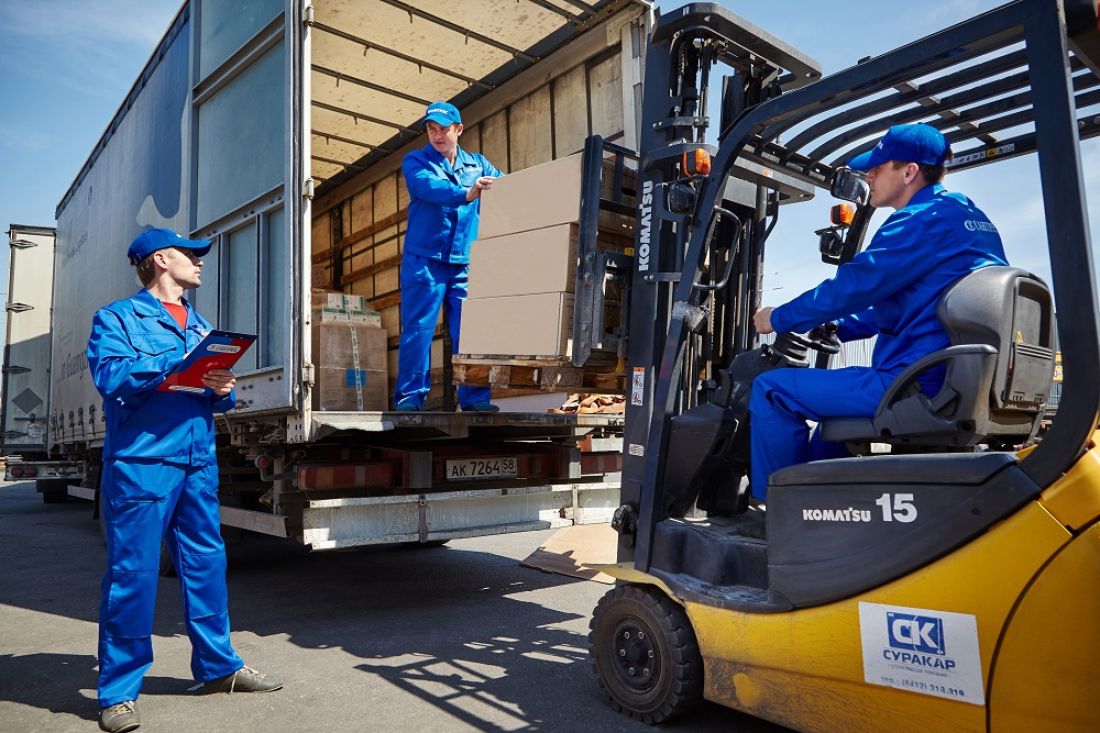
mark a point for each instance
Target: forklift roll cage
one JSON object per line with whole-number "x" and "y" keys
{"x": 1031, "y": 67}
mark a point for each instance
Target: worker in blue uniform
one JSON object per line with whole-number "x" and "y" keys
{"x": 890, "y": 290}
{"x": 445, "y": 184}
{"x": 160, "y": 481}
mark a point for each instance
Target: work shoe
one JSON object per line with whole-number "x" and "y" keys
{"x": 120, "y": 718}
{"x": 244, "y": 679}
{"x": 406, "y": 407}
{"x": 481, "y": 407}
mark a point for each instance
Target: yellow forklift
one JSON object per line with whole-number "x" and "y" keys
{"x": 951, "y": 584}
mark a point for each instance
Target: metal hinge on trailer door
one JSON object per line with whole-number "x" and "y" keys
{"x": 307, "y": 189}
{"x": 307, "y": 375}
{"x": 307, "y": 13}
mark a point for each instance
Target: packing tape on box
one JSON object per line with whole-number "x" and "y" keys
{"x": 355, "y": 365}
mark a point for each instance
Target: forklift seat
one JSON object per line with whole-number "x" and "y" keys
{"x": 998, "y": 370}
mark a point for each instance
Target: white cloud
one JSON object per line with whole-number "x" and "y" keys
{"x": 23, "y": 140}
{"x": 78, "y": 22}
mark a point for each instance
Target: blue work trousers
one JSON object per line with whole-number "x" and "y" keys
{"x": 426, "y": 286}
{"x": 784, "y": 399}
{"x": 143, "y": 503}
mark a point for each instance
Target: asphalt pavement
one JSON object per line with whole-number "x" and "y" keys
{"x": 454, "y": 638}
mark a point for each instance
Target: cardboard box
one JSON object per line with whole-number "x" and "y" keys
{"x": 350, "y": 361}
{"x": 337, "y": 307}
{"x": 544, "y": 196}
{"x": 538, "y": 261}
{"x": 541, "y": 196}
{"x": 350, "y": 390}
{"x": 539, "y": 324}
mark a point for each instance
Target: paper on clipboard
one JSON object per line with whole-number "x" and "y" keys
{"x": 217, "y": 350}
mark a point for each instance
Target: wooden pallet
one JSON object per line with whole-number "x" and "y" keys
{"x": 546, "y": 373}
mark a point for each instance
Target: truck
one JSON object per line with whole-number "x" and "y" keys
{"x": 25, "y": 384}
{"x": 279, "y": 134}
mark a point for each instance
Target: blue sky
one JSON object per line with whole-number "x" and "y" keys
{"x": 69, "y": 63}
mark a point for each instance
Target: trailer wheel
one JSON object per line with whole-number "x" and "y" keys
{"x": 54, "y": 491}
{"x": 645, "y": 654}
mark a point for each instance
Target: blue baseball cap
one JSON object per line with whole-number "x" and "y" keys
{"x": 921, "y": 144}
{"x": 443, "y": 113}
{"x": 151, "y": 240}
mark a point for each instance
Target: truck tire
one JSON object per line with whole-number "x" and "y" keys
{"x": 53, "y": 490}
{"x": 645, "y": 654}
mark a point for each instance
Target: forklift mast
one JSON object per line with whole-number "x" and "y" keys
{"x": 1029, "y": 69}
{"x": 691, "y": 309}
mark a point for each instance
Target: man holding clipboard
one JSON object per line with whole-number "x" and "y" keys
{"x": 160, "y": 474}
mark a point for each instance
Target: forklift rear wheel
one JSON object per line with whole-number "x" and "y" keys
{"x": 645, "y": 654}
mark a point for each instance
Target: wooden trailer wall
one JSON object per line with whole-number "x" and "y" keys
{"x": 358, "y": 229}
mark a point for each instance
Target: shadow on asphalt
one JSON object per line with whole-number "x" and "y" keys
{"x": 450, "y": 625}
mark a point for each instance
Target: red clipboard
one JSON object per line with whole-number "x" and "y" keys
{"x": 217, "y": 350}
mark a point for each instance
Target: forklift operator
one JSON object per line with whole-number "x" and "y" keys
{"x": 445, "y": 184}
{"x": 890, "y": 290}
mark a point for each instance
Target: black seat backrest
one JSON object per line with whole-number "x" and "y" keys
{"x": 1011, "y": 310}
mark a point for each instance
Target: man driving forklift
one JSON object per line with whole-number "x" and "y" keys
{"x": 889, "y": 290}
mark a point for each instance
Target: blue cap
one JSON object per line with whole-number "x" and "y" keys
{"x": 151, "y": 240}
{"x": 921, "y": 144}
{"x": 443, "y": 113}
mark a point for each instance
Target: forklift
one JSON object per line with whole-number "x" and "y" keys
{"x": 949, "y": 584}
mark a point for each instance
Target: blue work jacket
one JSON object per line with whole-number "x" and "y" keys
{"x": 135, "y": 342}
{"x": 442, "y": 223}
{"x": 892, "y": 288}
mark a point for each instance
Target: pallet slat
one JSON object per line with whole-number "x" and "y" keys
{"x": 549, "y": 374}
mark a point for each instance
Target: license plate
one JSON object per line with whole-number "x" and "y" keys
{"x": 474, "y": 469}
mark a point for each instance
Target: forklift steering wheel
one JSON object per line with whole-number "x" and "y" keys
{"x": 818, "y": 340}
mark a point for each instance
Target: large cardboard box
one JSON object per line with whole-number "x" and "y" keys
{"x": 541, "y": 196}
{"x": 538, "y": 324}
{"x": 350, "y": 390}
{"x": 538, "y": 261}
{"x": 350, "y": 361}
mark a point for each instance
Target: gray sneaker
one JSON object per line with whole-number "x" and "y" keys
{"x": 244, "y": 679}
{"x": 120, "y": 718}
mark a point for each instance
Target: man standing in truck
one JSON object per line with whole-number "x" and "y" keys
{"x": 445, "y": 184}
{"x": 933, "y": 239}
{"x": 160, "y": 481}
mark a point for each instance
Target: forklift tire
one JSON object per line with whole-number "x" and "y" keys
{"x": 645, "y": 654}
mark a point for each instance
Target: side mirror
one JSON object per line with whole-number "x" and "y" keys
{"x": 850, "y": 186}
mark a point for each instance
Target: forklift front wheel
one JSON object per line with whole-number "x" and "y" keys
{"x": 645, "y": 654}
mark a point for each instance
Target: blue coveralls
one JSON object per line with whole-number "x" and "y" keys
{"x": 436, "y": 263}
{"x": 160, "y": 481}
{"x": 893, "y": 288}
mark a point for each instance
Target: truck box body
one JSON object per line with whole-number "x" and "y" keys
{"x": 279, "y": 133}
{"x": 26, "y": 377}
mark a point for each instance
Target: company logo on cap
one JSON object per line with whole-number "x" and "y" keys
{"x": 439, "y": 111}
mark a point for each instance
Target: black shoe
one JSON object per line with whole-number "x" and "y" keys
{"x": 119, "y": 718}
{"x": 244, "y": 679}
{"x": 752, "y": 524}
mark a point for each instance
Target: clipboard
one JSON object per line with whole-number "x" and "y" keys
{"x": 217, "y": 350}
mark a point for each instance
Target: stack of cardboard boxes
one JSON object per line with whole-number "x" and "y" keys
{"x": 349, "y": 354}
{"x": 523, "y": 265}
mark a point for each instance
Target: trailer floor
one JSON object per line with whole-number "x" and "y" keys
{"x": 456, "y": 638}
